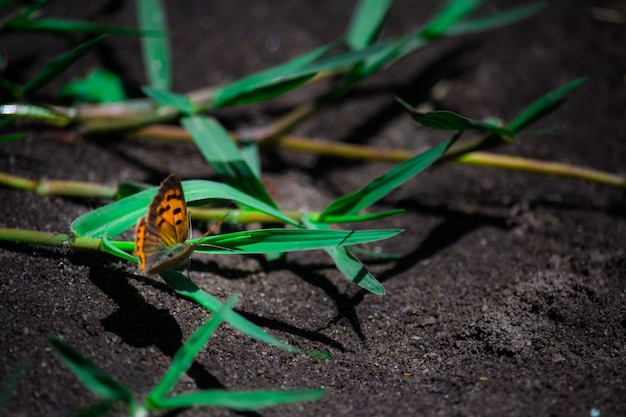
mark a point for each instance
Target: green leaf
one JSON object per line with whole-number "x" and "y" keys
{"x": 110, "y": 248}
{"x": 484, "y": 23}
{"x": 115, "y": 218}
{"x": 384, "y": 184}
{"x": 260, "y": 86}
{"x": 250, "y": 153}
{"x": 185, "y": 287}
{"x": 167, "y": 98}
{"x": 277, "y": 80}
{"x": 11, "y": 382}
{"x": 242, "y": 400}
{"x": 186, "y": 354}
{"x": 544, "y": 106}
{"x": 354, "y": 218}
{"x": 156, "y": 51}
{"x": 12, "y": 137}
{"x": 52, "y": 25}
{"x": 58, "y": 65}
{"x": 451, "y": 12}
{"x": 289, "y": 240}
{"x": 220, "y": 151}
{"x": 33, "y": 112}
{"x": 366, "y": 20}
{"x": 348, "y": 264}
{"x": 94, "y": 378}
{"x": 447, "y": 120}
{"x": 99, "y": 86}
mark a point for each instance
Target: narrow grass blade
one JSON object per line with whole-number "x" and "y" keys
{"x": 242, "y": 400}
{"x": 485, "y": 23}
{"x": 115, "y": 218}
{"x": 348, "y": 264}
{"x": 110, "y": 248}
{"x": 355, "y": 218}
{"x": 33, "y": 112}
{"x": 52, "y": 25}
{"x": 366, "y": 20}
{"x": 13, "y": 137}
{"x": 250, "y": 153}
{"x": 185, "y": 287}
{"x": 269, "y": 84}
{"x": 452, "y": 11}
{"x": 289, "y": 240}
{"x": 167, "y": 98}
{"x": 11, "y": 382}
{"x": 266, "y": 84}
{"x": 186, "y": 354}
{"x": 447, "y": 120}
{"x": 94, "y": 378}
{"x": 384, "y": 184}
{"x": 155, "y": 48}
{"x": 544, "y": 106}
{"x": 99, "y": 86}
{"x": 220, "y": 151}
{"x": 58, "y": 65}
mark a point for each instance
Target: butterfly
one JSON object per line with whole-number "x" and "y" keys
{"x": 160, "y": 235}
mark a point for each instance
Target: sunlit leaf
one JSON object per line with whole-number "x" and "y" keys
{"x": 366, "y": 20}
{"x": 156, "y": 51}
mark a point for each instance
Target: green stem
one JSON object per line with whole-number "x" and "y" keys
{"x": 490, "y": 160}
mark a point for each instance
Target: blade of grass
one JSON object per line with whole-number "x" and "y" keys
{"x": 115, "y": 218}
{"x": 348, "y": 264}
{"x": 366, "y": 21}
{"x": 185, "y": 287}
{"x": 156, "y": 51}
{"x": 220, "y": 151}
{"x": 543, "y": 106}
{"x": 451, "y": 12}
{"x": 52, "y": 25}
{"x": 110, "y": 248}
{"x": 99, "y": 86}
{"x": 289, "y": 240}
{"x": 447, "y": 120}
{"x": 186, "y": 354}
{"x": 12, "y": 137}
{"x": 33, "y": 112}
{"x": 250, "y": 153}
{"x": 57, "y": 66}
{"x": 243, "y": 91}
{"x": 358, "y": 217}
{"x": 242, "y": 400}
{"x": 484, "y": 23}
{"x": 94, "y": 378}
{"x": 275, "y": 81}
{"x": 382, "y": 185}
{"x": 167, "y": 98}
{"x": 12, "y": 382}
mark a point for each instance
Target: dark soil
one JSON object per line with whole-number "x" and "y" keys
{"x": 510, "y": 299}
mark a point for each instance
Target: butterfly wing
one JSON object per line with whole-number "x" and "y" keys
{"x": 160, "y": 235}
{"x": 167, "y": 213}
{"x": 147, "y": 246}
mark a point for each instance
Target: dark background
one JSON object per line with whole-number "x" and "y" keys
{"x": 509, "y": 301}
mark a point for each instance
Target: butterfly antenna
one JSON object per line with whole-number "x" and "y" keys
{"x": 211, "y": 230}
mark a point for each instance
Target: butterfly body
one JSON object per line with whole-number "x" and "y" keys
{"x": 160, "y": 235}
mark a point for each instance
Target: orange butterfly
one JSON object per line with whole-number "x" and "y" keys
{"x": 160, "y": 235}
